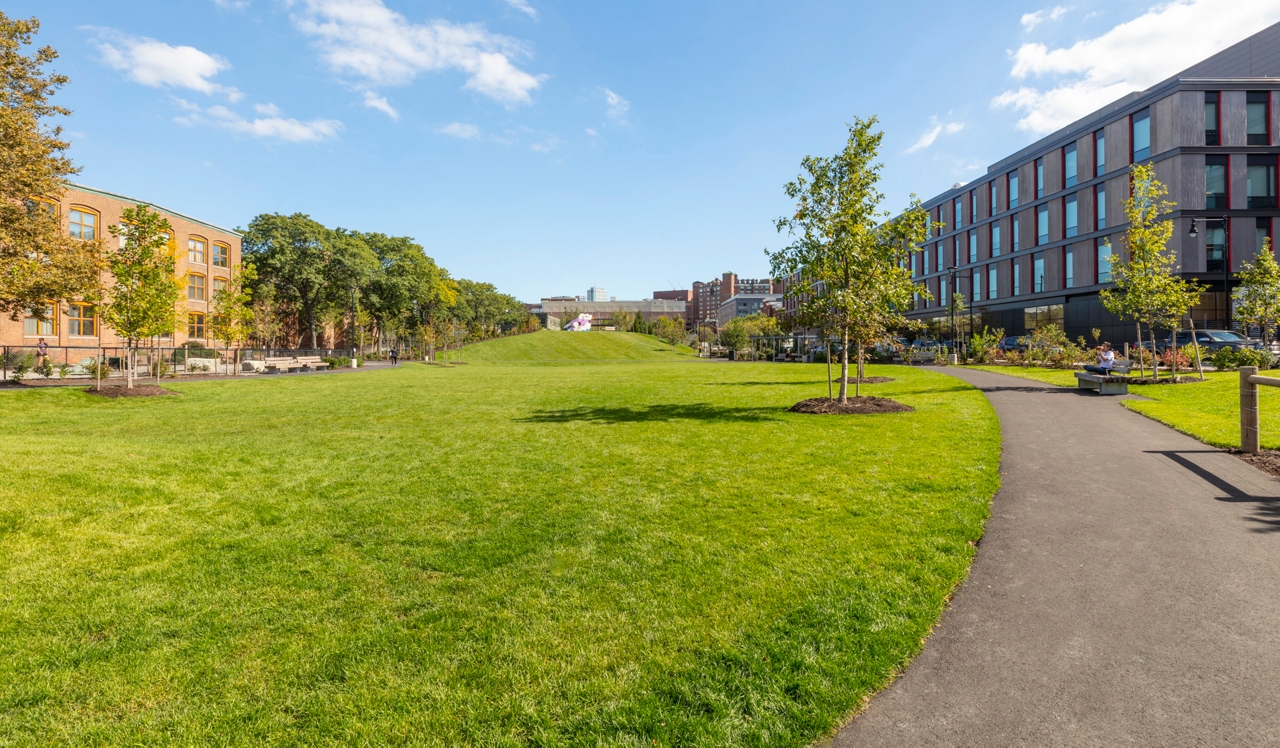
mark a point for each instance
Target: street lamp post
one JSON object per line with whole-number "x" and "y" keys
{"x": 1226, "y": 264}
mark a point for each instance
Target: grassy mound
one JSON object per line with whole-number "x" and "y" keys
{"x": 554, "y": 346}
{"x": 617, "y": 554}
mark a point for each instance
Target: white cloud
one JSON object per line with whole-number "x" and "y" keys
{"x": 232, "y": 4}
{"x": 159, "y": 65}
{"x": 618, "y": 106}
{"x": 1031, "y": 20}
{"x": 937, "y": 128}
{"x": 1130, "y": 57}
{"x": 591, "y": 131}
{"x": 368, "y": 40}
{"x": 374, "y": 101}
{"x": 460, "y": 130}
{"x": 523, "y": 7}
{"x": 270, "y": 125}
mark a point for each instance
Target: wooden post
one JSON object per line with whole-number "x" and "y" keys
{"x": 1249, "y": 437}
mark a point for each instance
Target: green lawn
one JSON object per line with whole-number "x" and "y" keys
{"x": 638, "y": 553}
{"x": 1208, "y": 411}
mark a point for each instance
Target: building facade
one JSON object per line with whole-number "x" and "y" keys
{"x": 564, "y": 309}
{"x": 746, "y": 304}
{"x": 206, "y": 256}
{"x": 1031, "y": 242}
{"x": 706, "y": 298}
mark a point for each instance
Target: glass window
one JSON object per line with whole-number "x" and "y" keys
{"x": 926, "y": 262}
{"x": 973, "y": 246}
{"x": 1263, "y": 231}
{"x": 1260, "y": 182}
{"x": 195, "y": 251}
{"x": 940, "y": 263}
{"x": 1099, "y": 153}
{"x": 1013, "y": 189}
{"x": 975, "y": 283}
{"x": 1017, "y": 277}
{"x": 973, "y": 206}
{"x": 195, "y": 287}
{"x": 221, "y": 255}
{"x": 995, "y": 239}
{"x": 1215, "y": 246}
{"x": 1015, "y": 235}
{"x": 1039, "y": 177}
{"x": 46, "y": 323}
{"x": 991, "y": 282}
{"x": 1215, "y": 182}
{"x": 1211, "y": 119}
{"x": 1104, "y": 260}
{"x": 993, "y": 200}
{"x": 1069, "y": 166}
{"x": 1100, "y": 205}
{"x": 1037, "y": 275}
{"x": 1141, "y": 128}
{"x": 219, "y": 285}
{"x": 84, "y": 224}
{"x": 1069, "y": 268}
{"x": 1257, "y": 105}
{"x": 959, "y": 213}
{"x": 943, "y": 298}
{"x": 195, "y": 325}
{"x": 82, "y": 320}
{"x": 1071, "y": 215}
{"x": 1042, "y": 224}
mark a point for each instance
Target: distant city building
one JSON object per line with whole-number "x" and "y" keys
{"x": 746, "y": 304}
{"x": 596, "y": 293}
{"x": 707, "y": 297}
{"x": 564, "y": 307}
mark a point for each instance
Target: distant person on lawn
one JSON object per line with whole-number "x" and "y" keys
{"x": 395, "y": 357}
{"x": 1106, "y": 360}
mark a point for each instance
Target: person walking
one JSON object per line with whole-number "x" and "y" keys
{"x": 395, "y": 357}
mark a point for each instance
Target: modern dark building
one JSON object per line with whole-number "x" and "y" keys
{"x": 1031, "y": 241}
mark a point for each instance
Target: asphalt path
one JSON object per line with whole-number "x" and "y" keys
{"x": 1126, "y": 592}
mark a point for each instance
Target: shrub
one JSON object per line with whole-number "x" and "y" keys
{"x": 1224, "y": 359}
{"x": 1255, "y": 357}
{"x": 1013, "y": 357}
{"x": 44, "y": 368}
{"x": 160, "y": 368}
{"x": 1167, "y": 359}
{"x": 23, "y": 366}
{"x": 63, "y": 369}
{"x": 341, "y": 362}
{"x": 984, "y": 344}
{"x": 98, "y": 369}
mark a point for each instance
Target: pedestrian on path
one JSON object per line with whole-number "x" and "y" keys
{"x": 395, "y": 357}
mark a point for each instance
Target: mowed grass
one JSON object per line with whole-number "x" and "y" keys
{"x": 625, "y": 554}
{"x": 1208, "y": 410}
{"x": 552, "y": 346}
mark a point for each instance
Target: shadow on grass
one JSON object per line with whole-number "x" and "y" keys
{"x": 1266, "y": 513}
{"x": 651, "y": 413}
{"x": 771, "y": 384}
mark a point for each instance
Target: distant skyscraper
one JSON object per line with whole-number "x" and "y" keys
{"x": 596, "y": 293}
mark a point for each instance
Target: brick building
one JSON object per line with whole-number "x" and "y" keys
{"x": 706, "y": 298}
{"x": 206, "y": 255}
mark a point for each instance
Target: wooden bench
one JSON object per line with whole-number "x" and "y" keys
{"x": 277, "y": 365}
{"x": 1116, "y": 383}
{"x": 312, "y": 362}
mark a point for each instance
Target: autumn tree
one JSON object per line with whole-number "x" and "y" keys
{"x": 848, "y": 258}
{"x": 144, "y": 300}
{"x": 1146, "y": 288}
{"x": 1258, "y": 296}
{"x": 38, "y": 261}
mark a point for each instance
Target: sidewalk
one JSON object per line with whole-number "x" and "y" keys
{"x": 1126, "y": 592}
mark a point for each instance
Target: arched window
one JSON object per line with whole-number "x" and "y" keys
{"x": 196, "y": 250}
{"x": 195, "y": 287}
{"x": 221, "y": 255}
{"x": 84, "y": 223}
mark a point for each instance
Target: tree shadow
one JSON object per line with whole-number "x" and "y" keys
{"x": 773, "y": 384}
{"x": 1266, "y": 513}
{"x": 653, "y": 413}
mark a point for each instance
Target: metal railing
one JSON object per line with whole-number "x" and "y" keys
{"x": 58, "y": 363}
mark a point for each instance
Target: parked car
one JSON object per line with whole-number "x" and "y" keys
{"x": 1012, "y": 343}
{"x": 1210, "y": 340}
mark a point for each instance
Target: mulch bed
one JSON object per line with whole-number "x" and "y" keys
{"x": 869, "y": 380}
{"x": 1268, "y": 460}
{"x": 138, "y": 390}
{"x": 1164, "y": 380}
{"x": 852, "y": 406}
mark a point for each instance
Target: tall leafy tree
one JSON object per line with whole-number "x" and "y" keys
{"x": 295, "y": 256}
{"x": 847, "y": 258}
{"x": 232, "y": 319}
{"x": 1258, "y": 296}
{"x": 1146, "y": 289}
{"x": 38, "y": 261}
{"x": 144, "y": 301}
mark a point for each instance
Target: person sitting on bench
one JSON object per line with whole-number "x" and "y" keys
{"x": 1106, "y": 360}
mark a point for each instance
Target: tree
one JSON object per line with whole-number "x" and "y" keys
{"x": 1146, "y": 289}
{"x": 232, "y": 319}
{"x": 38, "y": 262}
{"x": 622, "y": 320}
{"x": 294, "y": 255}
{"x": 1258, "y": 296}
{"x": 144, "y": 301}
{"x": 670, "y": 330}
{"x": 848, "y": 258}
{"x": 734, "y": 335}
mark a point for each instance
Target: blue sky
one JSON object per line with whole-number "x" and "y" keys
{"x": 548, "y": 146}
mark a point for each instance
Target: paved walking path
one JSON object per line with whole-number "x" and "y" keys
{"x": 1126, "y": 592}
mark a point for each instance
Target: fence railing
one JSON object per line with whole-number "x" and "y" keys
{"x": 1250, "y": 433}
{"x": 54, "y": 363}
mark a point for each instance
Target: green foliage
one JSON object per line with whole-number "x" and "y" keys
{"x": 1262, "y": 359}
{"x": 23, "y": 367}
{"x": 1258, "y": 296}
{"x": 98, "y": 369}
{"x": 984, "y": 346}
{"x": 341, "y": 362}
{"x": 847, "y": 264}
{"x": 1049, "y": 346}
{"x": 63, "y": 370}
{"x": 670, "y": 330}
{"x": 231, "y": 317}
{"x": 44, "y": 368}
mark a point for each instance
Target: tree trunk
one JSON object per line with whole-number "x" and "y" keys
{"x": 861, "y": 362}
{"x": 826, "y": 341}
{"x": 1173, "y": 356}
{"x": 311, "y": 325}
{"x": 844, "y": 369}
{"x": 857, "y": 382}
{"x": 1155, "y": 362}
{"x": 128, "y": 359}
{"x": 1199, "y": 365}
{"x": 1142, "y": 370}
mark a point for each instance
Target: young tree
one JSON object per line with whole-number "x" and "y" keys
{"x": 670, "y": 330}
{"x": 1258, "y": 296}
{"x": 38, "y": 262}
{"x": 849, "y": 256}
{"x": 1146, "y": 288}
{"x": 144, "y": 301}
{"x": 232, "y": 319}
